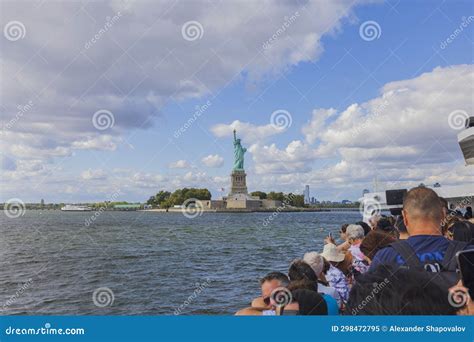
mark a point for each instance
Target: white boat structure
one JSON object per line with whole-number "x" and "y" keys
{"x": 466, "y": 141}
{"x": 457, "y": 196}
{"x": 72, "y": 207}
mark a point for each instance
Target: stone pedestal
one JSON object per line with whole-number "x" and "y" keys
{"x": 238, "y": 182}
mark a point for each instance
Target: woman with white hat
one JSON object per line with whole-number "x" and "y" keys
{"x": 334, "y": 275}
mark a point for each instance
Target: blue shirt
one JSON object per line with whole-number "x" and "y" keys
{"x": 428, "y": 248}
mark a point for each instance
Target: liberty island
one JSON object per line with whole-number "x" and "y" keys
{"x": 238, "y": 198}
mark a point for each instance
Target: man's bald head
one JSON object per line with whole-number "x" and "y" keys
{"x": 423, "y": 204}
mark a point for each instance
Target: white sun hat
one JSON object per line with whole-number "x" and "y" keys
{"x": 330, "y": 253}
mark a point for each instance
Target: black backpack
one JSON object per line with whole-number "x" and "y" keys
{"x": 448, "y": 269}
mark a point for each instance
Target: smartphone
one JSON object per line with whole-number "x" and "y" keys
{"x": 465, "y": 261}
{"x": 330, "y": 235}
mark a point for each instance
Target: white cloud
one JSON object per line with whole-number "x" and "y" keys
{"x": 250, "y": 133}
{"x": 405, "y": 122}
{"x": 74, "y": 77}
{"x": 134, "y": 181}
{"x": 179, "y": 164}
{"x": 296, "y": 157}
{"x": 101, "y": 142}
{"x": 402, "y": 136}
{"x": 91, "y": 174}
{"x": 317, "y": 122}
{"x": 213, "y": 160}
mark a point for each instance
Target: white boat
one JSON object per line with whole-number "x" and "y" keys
{"x": 71, "y": 207}
{"x": 466, "y": 141}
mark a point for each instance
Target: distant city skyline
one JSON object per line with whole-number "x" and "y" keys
{"x": 325, "y": 94}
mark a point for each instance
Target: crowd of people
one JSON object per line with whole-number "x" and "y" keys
{"x": 392, "y": 265}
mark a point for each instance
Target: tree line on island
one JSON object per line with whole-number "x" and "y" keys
{"x": 166, "y": 199}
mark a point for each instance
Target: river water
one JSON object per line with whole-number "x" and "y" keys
{"x": 149, "y": 263}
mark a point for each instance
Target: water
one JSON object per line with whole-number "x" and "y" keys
{"x": 154, "y": 263}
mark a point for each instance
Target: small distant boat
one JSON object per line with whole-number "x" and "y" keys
{"x": 71, "y": 207}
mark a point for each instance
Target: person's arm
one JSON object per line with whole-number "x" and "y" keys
{"x": 258, "y": 303}
{"x": 343, "y": 246}
{"x": 249, "y": 312}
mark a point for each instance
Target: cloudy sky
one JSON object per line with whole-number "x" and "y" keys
{"x": 130, "y": 97}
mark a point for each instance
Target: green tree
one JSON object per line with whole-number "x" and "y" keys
{"x": 259, "y": 194}
{"x": 276, "y": 196}
{"x": 179, "y": 196}
{"x": 295, "y": 200}
{"x": 162, "y": 196}
{"x": 166, "y": 204}
{"x": 176, "y": 197}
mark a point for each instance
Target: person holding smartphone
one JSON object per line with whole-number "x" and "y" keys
{"x": 461, "y": 295}
{"x": 344, "y": 246}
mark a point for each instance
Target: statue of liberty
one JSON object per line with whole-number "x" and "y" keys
{"x": 239, "y": 152}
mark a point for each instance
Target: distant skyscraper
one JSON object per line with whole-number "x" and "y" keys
{"x": 306, "y": 195}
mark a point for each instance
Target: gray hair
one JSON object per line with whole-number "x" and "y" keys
{"x": 354, "y": 232}
{"x": 315, "y": 260}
